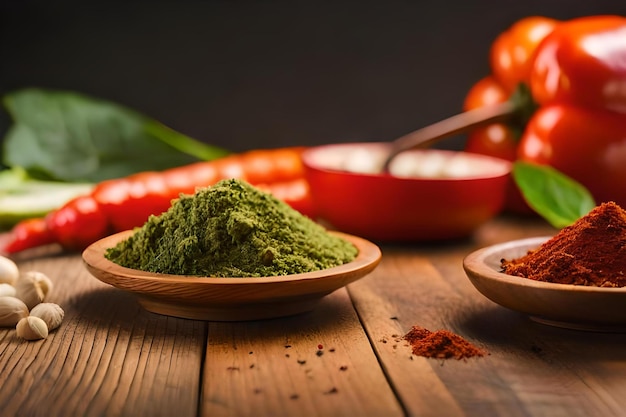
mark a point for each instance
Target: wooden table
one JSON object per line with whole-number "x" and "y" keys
{"x": 112, "y": 358}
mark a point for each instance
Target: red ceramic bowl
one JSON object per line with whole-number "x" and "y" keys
{"x": 387, "y": 207}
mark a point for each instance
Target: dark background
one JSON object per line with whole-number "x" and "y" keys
{"x": 253, "y": 74}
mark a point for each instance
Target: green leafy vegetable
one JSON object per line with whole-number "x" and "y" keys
{"x": 70, "y": 137}
{"x": 22, "y": 197}
{"x": 556, "y": 197}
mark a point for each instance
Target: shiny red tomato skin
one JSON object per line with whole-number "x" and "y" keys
{"x": 485, "y": 92}
{"x": 511, "y": 53}
{"x": 583, "y": 61}
{"x": 496, "y": 139}
{"x": 588, "y": 145}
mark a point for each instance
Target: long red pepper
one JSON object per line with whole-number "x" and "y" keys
{"x": 125, "y": 203}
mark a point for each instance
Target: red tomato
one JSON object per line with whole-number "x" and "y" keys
{"x": 485, "y": 92}
{"x": 588, "y": 145}
{"x": 494, "y": 140}
{"x": 583, "y": 61}
{"x": 498, "y": 139}
{"x": 511, "y": 53}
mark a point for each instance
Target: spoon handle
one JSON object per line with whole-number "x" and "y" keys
{"x": 451, "y": 126}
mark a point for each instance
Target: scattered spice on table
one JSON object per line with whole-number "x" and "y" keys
{"x": 591, "y": 252}
{"x": 440, "y": 344}
{"x": 231, "y": 229}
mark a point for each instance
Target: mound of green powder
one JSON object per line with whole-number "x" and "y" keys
{"x": 231, "y": 229}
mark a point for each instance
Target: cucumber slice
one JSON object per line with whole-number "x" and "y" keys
{"x": 22, "y": 197}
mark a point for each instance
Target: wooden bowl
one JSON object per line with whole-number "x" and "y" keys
{"x": 229, "y": 299}
{"x": 391, "y": 208}
{"x": 564, "y": 305}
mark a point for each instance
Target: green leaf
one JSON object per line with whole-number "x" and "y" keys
{"x": 556, "y": 197}
{"x": 71, "y": 137}
{"x": 22, "y": 197}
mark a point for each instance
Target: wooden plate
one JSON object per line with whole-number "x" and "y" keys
{"x": 229, "y": 299}
{"x": 570, "y": 306}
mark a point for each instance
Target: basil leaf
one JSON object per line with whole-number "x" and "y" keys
{"x": 556, "y": 197}
{"x": 71, "y": 137}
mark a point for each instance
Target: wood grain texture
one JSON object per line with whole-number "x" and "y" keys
{"x": 112, "y": 358}
{"x": 108, "y": 358}
{"x": 276, "y": 368}
{"x": 531, "y": 369}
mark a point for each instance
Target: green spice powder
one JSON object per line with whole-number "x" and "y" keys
{"x": 231, "y": 230}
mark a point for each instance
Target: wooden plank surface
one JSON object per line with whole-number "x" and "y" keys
{"x": 111, "y": 358}
{"x": 108, "y": 358}
{"x": 317, "y": 364}
{"x": 531, "y": 369}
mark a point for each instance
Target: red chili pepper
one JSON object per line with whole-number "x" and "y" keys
{"x": 27, "y": 234}
{"x": 575, "y": 72}
{"x": 125, "y": 203}
{"x": 78, "y": 222}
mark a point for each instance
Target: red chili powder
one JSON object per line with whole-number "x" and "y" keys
{"x": 591, "y": 252}
{"x": 440, "y": 344}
